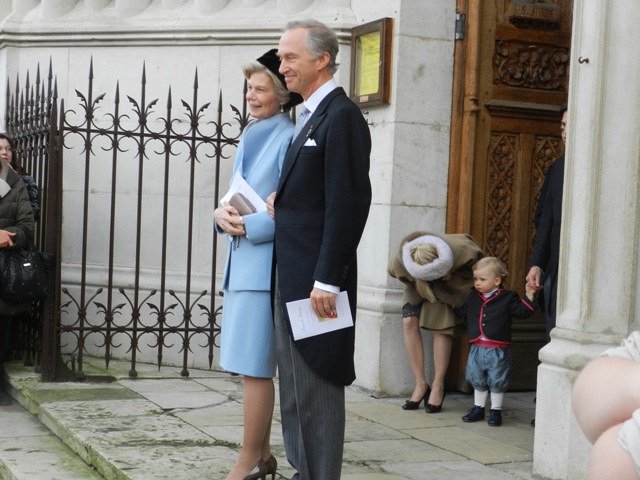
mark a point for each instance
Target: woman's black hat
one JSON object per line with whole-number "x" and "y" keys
{"x": 272, "y": 62}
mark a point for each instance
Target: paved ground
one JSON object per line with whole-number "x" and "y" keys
{"x": 161, "y": 426}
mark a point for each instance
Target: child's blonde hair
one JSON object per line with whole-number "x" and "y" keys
{"x": 499, "y": 268}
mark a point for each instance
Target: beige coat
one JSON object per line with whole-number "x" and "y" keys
{"x": 439, "y": 295}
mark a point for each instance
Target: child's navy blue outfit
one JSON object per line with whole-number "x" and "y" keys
{"x": 489, "y": 364}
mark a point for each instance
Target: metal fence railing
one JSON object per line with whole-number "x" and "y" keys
{"x": 131, "y": 288}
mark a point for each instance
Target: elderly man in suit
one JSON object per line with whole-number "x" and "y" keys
{"x": 546, "y": 251}
{"x": 320, "y": 207}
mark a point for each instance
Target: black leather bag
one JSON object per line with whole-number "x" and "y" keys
{"x": 24, "y": 274}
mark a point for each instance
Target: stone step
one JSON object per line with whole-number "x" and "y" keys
{"x": 160, "y": 426}
{"x": 30, "y": 451}
{"x": 108, "y": 426}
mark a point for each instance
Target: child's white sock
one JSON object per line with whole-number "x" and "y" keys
{"x": 480, "y": 398}
{"x": 496, "y": 400}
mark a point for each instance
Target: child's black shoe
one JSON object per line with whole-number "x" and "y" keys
{"x": 495, "y": 418}
{"x": 475, "y": 414}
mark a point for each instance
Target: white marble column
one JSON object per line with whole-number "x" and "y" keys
{"x": 409, "y": 180}
{"x": 601, "y": 219}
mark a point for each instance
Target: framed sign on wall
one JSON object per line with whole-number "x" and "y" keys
{"x": 371, "y": 45}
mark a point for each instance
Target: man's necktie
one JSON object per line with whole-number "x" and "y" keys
{"x": 303, "y": 116}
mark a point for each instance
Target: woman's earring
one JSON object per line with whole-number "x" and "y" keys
{"x": 281, "y": 107}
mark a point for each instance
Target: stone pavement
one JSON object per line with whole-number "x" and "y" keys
{"x": 161, "y": 426}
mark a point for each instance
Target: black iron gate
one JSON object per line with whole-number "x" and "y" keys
{"x": 132, "y": 176}
{"x": 28, "y": 121}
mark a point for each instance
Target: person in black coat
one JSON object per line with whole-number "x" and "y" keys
{"x": 488, "y": 311}
{"x": 546, "y": 251}
{"x": 321, "y": 207}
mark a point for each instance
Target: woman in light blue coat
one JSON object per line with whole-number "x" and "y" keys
{"x": 248, "y": 344}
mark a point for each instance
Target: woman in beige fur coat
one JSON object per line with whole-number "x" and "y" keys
{"x": 436, "y": 274}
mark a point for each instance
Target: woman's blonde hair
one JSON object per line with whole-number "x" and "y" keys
{"x": 424, "y": 253}
{"x": 499, "y": 268}
{"x": 282, "y": 93}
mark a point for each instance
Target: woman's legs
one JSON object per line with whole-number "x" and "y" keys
{"x": 442, "y": 344}
{"x": 415, "y": 352}
{"x": 258, "y": 412}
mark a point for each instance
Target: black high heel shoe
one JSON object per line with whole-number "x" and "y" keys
{"x": 272, "y": 466}
{"x": 410, "y": 405}
{"x": 430, "y": 408}
{"x": 259, "y": 472}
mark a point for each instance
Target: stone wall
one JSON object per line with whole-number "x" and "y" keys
{"x": 173, "y": 38}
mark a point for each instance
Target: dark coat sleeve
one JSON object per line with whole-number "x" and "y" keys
{"x": 547, "y": 244}
{"x": 347, "y": 193}
{"x": 521, "y": 307}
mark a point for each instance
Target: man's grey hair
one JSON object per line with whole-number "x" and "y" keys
{"x": 321, "y": 39}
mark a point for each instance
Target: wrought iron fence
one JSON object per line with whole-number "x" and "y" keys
{"x": 132, "y": 172}
{"x": 30, "y": 111}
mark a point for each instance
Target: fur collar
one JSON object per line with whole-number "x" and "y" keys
{"x": 431, "y": 271}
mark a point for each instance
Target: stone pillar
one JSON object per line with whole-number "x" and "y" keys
{"x": 409, "y": 172}
{"x": 601, "y": 219}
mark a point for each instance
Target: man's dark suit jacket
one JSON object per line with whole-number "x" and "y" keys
{"x": 321, "y": 207}
{"x": 546, "y": 251}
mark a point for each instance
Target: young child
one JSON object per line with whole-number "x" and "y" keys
{"x": 488, "y": 311}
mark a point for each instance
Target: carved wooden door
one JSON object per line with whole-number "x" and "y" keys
{"x": 510, "y": 79}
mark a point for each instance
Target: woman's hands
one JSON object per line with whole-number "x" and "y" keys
{"x": 6, "y": 239}
{"x": 229, "y": 220}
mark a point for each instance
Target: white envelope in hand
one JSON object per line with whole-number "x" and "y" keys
{"x": 310, "y": 143}
{"x": 305, "y": 323}
{"x": 240, "y": 185}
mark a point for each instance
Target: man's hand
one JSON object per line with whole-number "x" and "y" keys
{"x": 323, "y": 303}
{"x": 534, "y": 278}
{"x": 270, "y": 200}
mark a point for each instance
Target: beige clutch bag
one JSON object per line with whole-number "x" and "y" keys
{"x": 241, "y": 204}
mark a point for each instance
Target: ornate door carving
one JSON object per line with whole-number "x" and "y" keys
{"x": 510, "y": 79}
